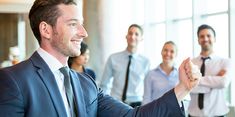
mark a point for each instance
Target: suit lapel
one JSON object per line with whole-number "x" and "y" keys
{"x": 78, "y": 93}
{"x": 49, "y": 81}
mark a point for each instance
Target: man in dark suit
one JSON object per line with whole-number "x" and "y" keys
{"x": 34, "y": 88}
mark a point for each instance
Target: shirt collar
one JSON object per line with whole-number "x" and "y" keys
{"x": 132, "y": 54}
{"x": 51, "y": 61}
{"x": 159, "y": 68}
{"x": 173, "y": 72}
{"x": 211, "y": 56}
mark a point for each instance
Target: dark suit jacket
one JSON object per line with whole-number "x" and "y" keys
{"x": 89, "y": 72}
{"x": 29, "y": 89}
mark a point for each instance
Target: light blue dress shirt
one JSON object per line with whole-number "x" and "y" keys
{"x": 113, "y": 79}
{"x": 157, "y": 82}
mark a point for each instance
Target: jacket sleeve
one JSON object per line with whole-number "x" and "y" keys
{"x": 166, "y": 106}
{"x": 11, "y": 101}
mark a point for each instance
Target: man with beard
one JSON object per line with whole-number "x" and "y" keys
{"x": 44, "y": 86}
{"x": 207, "y": 99}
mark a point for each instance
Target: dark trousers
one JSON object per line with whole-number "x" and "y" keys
{"x": 135, "y": 104}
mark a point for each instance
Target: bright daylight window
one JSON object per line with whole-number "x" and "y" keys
{"x": 178, "y": 21}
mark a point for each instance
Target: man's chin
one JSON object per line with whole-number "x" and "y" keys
{"x": 75, "y": 54}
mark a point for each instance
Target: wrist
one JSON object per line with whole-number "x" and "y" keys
{"x": 180, "y": 92}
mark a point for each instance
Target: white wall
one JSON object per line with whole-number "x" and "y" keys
{"x": 15, "y": 6}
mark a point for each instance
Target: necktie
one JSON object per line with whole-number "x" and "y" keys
{"x": 201, "y": 95}
{"x": 126, "y": 80}
{"x": 68, "y": 90}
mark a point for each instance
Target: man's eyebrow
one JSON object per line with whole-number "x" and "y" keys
{"x": 77, "y": 20}
{"x": 71, "y": 20}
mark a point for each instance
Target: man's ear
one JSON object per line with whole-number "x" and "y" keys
{"x": 45, "y": 30}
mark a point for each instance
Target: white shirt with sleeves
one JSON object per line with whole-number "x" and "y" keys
{"x": 212, "y": 86}
{"x": 54, "y": 66}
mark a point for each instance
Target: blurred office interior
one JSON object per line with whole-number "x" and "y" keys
{"x": 106, "y": 22}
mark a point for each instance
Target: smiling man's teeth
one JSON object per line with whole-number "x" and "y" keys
{"x": 76, "y": 42}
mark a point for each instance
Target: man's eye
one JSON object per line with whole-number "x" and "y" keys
{"x": 73, "y": 24}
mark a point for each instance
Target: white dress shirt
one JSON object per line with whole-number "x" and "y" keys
{"x": 114, "y": 76}
{"x": 54, "y": 66}
{"x": 212, "y": 86}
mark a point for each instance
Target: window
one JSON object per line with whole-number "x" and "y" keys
{"x": 178, "y": 21}
{"x": 221, "y": 44}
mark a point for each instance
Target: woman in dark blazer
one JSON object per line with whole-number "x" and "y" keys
{"x": 78, "y": 63}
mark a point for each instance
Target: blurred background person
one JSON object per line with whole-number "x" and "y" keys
{"x": 78, "y": 63}
{"x": 126, "y": 70}
{"x": 164, "y": 77}
{"x": 208, "y": 98}
{"x": 14, "y": 57}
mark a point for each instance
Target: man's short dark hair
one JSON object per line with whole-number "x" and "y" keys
{"x": 45, "y": 10}
{"x": 205, "y": 26}
{"x": 137, "y": 26}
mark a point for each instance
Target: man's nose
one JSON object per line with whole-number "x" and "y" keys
{"x": 82, "y": 32}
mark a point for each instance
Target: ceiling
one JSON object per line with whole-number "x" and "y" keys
{"x": 15, "y": 6}
{"x": 16, "y": 1}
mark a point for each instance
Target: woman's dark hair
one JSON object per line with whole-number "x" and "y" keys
{"x": 83, "y": 49}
